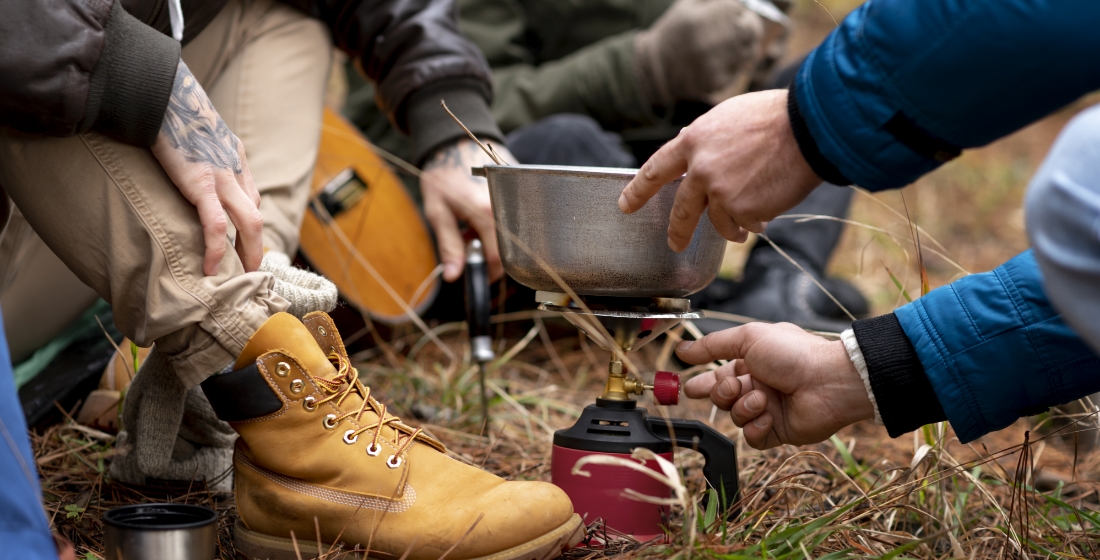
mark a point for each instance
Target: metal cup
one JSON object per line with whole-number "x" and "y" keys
{"x": 161, "y": 532}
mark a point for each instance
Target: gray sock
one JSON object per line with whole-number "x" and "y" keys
{"x": 171, "y": 433}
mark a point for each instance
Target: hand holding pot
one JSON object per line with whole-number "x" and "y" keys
{"x": 743, "y": 167}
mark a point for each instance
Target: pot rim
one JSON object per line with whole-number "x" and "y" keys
{"x": 204, "y": 516}
{"x": 573, "y": 171}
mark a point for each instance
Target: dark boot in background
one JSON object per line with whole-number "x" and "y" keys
{"x": 773, "y": 289}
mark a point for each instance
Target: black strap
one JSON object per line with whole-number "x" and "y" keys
{"x": 919, "y": 140}
{"x": 241, "y": 395}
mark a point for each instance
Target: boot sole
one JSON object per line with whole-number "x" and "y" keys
{"x": 250, "y": 545}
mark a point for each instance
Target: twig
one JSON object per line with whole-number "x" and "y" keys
{"x": 488, "y": 150}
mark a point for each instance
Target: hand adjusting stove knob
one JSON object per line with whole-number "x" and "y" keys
{"x": 666, "y": 388}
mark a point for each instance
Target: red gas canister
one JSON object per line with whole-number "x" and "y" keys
{"x": 601, "y": 496}
{"x": 616, "y": 428}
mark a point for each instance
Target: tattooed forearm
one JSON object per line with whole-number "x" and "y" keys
{"x": 462, "y": 153}
{"x": 193, "y": 126}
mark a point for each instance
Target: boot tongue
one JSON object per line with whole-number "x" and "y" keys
{"x": 284, "y": 331}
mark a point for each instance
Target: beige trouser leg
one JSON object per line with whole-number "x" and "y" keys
{"x": 39, "y": 296}
{"x": 264, "y": 66}
{"x": 109, "y": 212}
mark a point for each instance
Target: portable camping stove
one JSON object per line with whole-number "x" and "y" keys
{"x": 615, "y": 425}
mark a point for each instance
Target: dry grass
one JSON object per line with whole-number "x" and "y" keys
{"x": 861, "y": 494}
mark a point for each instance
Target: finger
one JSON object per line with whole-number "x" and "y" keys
{"x": 725, "y": 226}
{"x": 699, "y": 387}
{"x": 728, "y": 388}
{"x": 247, "y": 219}
{"x": 451, "y": 249}
{"x": 664, "y": 166}
{"x": 747, "y": 386}
{"x": 245, "y": 177}
{"x": 758, "y": 433}
{"x": 486, "y": 231}
{"x": 748, "y": 407}
{"x": 755, "y": 227}
{"x": 728, "y": 344}
{"x": 719, "y": 385}
{"x": 687, "y": 208}
{"x": 492, "y": 256}
{"x": 214, "y": 226}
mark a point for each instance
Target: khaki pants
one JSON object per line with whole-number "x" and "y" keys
{"x": 111, "y": 215}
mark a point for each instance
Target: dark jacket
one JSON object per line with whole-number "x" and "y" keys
{"x": 68, "y": 66}
{"x": 898, "y": 89}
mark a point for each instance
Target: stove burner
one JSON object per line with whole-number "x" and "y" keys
{"x": 627, "y": 323}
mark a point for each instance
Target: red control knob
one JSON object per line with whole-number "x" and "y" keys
{"x": 666, "y": 388}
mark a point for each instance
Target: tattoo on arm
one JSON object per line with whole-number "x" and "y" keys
{"x": 188, "y": 125}
{"x": 457, "y": 154}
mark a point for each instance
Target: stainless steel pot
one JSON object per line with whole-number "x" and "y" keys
{"x": 160, "y": 532}
{"x": 570, "y": 219}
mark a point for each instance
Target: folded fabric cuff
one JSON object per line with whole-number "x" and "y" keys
{"x": 431, "y": 127}
{"x": 131, "y": 83}
{"x": 848, "y": 337}
{"x": 905, "y": 399}
{"x": 806, "y": 144}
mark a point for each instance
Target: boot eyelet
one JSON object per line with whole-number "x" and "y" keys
{"x": 374, "y": 449}
{"x": 297, "y": 386}
{"x": 282, "y": 368}
{"x": 349, "y": 438}
{"x": 393, "y": 462}
{"x": 310, "y": 404}
{"x": 329, "y": 422}
{"x": 322, "y": 330}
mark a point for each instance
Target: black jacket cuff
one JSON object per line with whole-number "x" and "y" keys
{"x": 431, "y": 127}
{"x": 806, "y": 144}
{"x": 905, "y": 398}
{"x": 132, "y": 81}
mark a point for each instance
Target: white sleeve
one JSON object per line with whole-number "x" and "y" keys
{"x": 856, "y": 355}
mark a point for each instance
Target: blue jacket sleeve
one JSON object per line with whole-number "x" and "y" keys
{"x": 953, "y": 73}
{"x": 994, "y": 349}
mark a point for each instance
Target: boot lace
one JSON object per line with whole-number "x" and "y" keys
{"x": 347, "y": 382}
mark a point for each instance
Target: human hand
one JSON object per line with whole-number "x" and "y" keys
{"x": 206, "y": 161}
{"x": 782, "y": 384}
{"x": 451, "y": 193}
{"x": 697, "y": 49}
{"x": 743, "y": 166}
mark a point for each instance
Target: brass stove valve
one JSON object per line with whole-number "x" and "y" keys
{"x": 666, "y": 385}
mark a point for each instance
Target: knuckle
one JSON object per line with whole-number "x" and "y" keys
{"x": 753, "y": 330}
{"x": 218, "y": 225}
{"x": 255, "y": 221}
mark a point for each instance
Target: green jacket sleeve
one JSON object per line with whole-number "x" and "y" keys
{"x": 598, "y": 80}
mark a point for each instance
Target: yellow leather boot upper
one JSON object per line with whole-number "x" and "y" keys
{"x": 332, "y": 452}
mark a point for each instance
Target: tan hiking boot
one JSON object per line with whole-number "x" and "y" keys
{"x": 315, "y": 444}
